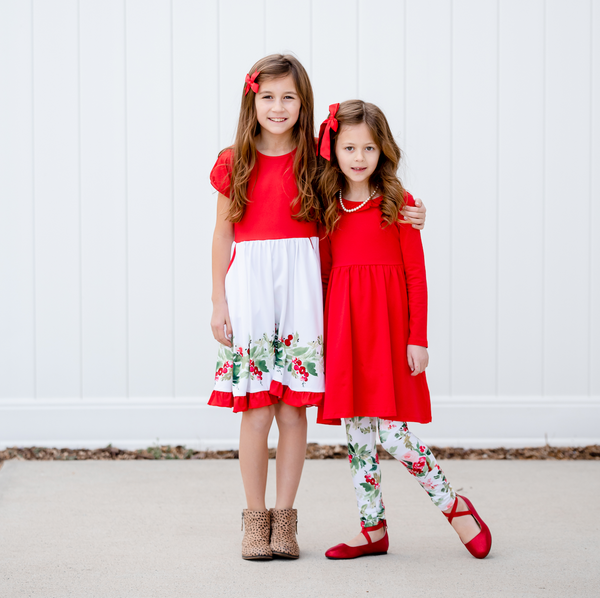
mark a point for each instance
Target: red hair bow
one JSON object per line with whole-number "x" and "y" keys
{"x": 251, "y": 83}
{"x": 325, "y": 131}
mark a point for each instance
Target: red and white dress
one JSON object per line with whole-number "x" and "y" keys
{"x": 274, "y": 295}
{"x": 376, "y": 305}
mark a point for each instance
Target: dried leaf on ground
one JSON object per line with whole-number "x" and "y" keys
{"x": 314, "y": 451}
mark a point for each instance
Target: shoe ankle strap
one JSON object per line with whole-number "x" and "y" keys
{"x": 365, "y": 530}
{"x": 454, "y": 514}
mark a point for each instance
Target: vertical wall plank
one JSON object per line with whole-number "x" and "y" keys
{"x": 281, "y": 39}
{"x": 427, "y": 147}
{"x": 150, "y": 197}
{"x": 105, "y": 207}
{"x": 195, "y": 150}
{"x": 520, "y": 178}
{"x": 335, "y": 62}
{"x": 594, "y": 356}
{"x": 474, "y": 154}
{"x": 17, "y": 354}
{"x": 103, "y": 199}
{"x": 57, "y": 201}
{"x": 241, "y": 44}
{"x": 567, "y": 249}
{"x": 381, "y": 77}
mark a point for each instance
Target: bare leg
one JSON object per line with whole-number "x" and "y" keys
{"x": 291, "y": 452}
{"x": 254, "y": 454}
{"x": 466, "y": 527}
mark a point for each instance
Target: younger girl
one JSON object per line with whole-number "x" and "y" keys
{"x": 373, "y": 274}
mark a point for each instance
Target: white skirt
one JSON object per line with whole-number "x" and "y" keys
{"x": 275, "y": 300}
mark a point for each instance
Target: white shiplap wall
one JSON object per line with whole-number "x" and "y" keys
{"x": 112, "y": 113}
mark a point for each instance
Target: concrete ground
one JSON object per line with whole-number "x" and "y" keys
{"x": 171, "y": 529}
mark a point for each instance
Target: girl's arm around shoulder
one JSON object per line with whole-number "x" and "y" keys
{"x": 415, "y": 212}
{"x": 221, "y": 253}
{"x": 416, "y": 281}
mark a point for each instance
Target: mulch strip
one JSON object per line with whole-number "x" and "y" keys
{"x": 314, "y": 451}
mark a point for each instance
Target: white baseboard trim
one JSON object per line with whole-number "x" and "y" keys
{"x": 132, "y": 423}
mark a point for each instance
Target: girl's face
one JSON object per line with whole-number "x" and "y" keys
{"x": 356, "y": 152}
{"x": 277, "y": 105}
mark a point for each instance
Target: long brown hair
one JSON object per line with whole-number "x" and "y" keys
{"x": 244, "y": 147}
{"x": 331, "y": 178}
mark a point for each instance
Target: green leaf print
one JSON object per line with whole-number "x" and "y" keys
{"x": 311, "y": 369}
{"x": 363, "y": 451}
{"x": 267, "y": 353}
{"x": 262, "y": 365}
{"x": 237, "y": 369}
{"x": 298, "y": 352}
{"x": 383, "y": 435}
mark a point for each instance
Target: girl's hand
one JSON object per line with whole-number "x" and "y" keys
{"x": 415, "y": 214}
{"x": 221, "y": 324}
{"x": 418, "y": 359}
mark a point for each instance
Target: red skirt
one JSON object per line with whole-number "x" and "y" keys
{"x": 366, "y": 336}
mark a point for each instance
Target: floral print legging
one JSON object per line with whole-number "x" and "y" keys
{"x": 399, "y": 442}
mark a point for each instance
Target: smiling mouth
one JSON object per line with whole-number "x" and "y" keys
{"x": 359, "y": 169}
{"x": 278, "y": 120}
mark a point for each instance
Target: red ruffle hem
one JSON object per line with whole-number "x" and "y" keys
{"x": 254, "y": 400}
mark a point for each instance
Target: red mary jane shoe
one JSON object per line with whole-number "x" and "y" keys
{"x": 481, "y": 544}
{"x": 343, "y": 551}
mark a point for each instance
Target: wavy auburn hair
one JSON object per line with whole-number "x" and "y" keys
{"x": 330, "y": 177}
{"x": 276, "y": 66}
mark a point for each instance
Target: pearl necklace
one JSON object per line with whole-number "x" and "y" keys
{"x": 358, "y": 207}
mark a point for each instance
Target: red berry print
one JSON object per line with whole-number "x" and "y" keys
{"x": 290, "y": 337}
{"x": 298, "y": 361}
{"x": 303, "y": 370}
{"x": 287, "y": 343}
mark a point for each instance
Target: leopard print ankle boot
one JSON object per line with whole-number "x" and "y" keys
{"x": 255, "y": 545}
{"x": 284, "y": 527}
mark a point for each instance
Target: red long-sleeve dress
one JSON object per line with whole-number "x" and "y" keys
{"x": 375, "y": 293}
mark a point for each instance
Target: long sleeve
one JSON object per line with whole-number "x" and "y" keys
{"x": 416, "y": 281}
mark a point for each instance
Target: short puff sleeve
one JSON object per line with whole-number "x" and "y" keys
{"x": 221, "y": 172}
